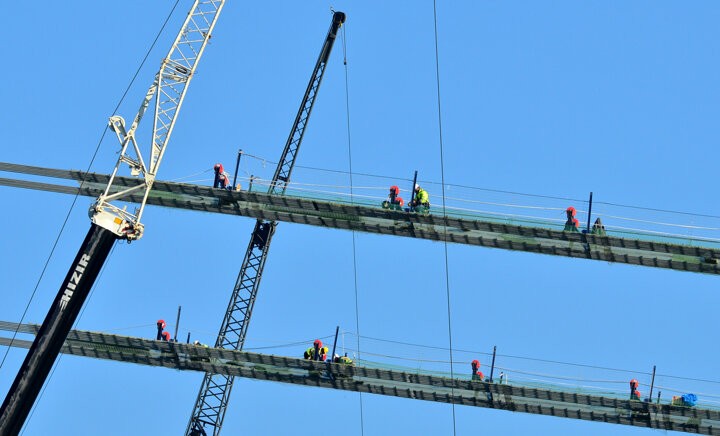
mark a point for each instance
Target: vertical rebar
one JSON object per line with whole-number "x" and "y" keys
{"x": 589, "y": 213}
{"x": 412, "y": 189}
{"x": 332, "y": 356}
{"x": 652, "y": 383}
{"x": 492, "y": 365}
{"x": 237, "y": 165}
{"x": 177, "y": 324}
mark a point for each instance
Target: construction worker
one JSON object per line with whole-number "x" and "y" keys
{"x": 218, "y": 168}
{"x": 323, "y": 354}
{"x": 160, "y": 328}
{"x": 222, "y": 179}
{"x": 598, "y": 228}
{"x": 200, "y": 344}
{"x": 421, "y": 199}
{"x": 634, "y": 392}
{"x": 393, "y": 201}
{"x": 313, "y": 351}
{"x": 572, "y": 224}
{"x": 345, "y": 360}
{"x": 477, "y": 375}
{"x": 166, "y": 336}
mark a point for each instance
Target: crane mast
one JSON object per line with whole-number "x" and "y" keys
{"x": 212, "y": 400}
{"x": 110, "y": 222}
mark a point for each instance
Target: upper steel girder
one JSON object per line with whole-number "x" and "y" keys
{"x": 211, "y": 404}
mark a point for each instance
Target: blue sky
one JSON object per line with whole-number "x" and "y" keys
{"x": 549, "y": 98}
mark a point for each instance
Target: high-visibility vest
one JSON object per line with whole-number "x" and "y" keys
{"x": 422, "y": 196}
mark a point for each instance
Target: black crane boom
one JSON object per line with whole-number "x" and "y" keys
{"x": 58, "y": 322}
{"x": 211, "y": 403}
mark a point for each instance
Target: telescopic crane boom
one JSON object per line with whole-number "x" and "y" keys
{"x": 108, "y": 221}
{"x": 212, "y": 400}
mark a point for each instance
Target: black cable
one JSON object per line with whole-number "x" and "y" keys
{"x": 354, "y": 250}
{"x": 42, "y": 391}
{"x": 444, "y": 212}
{"x": 515, "y": 357}
{"x": 57, "y": 361}
{"x": 657, "y": 210}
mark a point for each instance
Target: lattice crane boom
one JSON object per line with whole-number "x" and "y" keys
{"x": 110, "y": 222}
{"x": 212, "y": 400}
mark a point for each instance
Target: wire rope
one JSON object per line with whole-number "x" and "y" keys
{"x": 354, "y": 247}
{"x": 444, "y": 212}
{"x": 56, "y": 364}
{"x": 500, "y": 191}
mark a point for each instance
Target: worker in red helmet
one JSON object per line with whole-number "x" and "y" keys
{"x": 634, "y": 392}
{"x": 219, "y": 170}
{"x": 477, "y": 375}
{"x": 222, "y": 179}
{"x": 572, "y": 224}
{"x": 393, "y": 201}
{"x": 160, "y": 328}
{"x": 313, "y": 352}
{"x": 166, "y": 336}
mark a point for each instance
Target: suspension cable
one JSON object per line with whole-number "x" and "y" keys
{"x": 498, "y": 191}
{"x": 56, "y": 364}
{"x": 444, "y": 212}
{"x": 354, "y": 248}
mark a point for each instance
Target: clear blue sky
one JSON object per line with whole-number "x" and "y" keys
{"x": 552, "y": 98}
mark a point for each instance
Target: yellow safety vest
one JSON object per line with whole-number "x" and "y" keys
{"x": 422, "y": 197}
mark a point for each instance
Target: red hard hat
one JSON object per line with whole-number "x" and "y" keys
{"x": 161, "y": 323}
{"x": 571, "y": 210}
{"x": 219, "y": 168}
{"x": 634, "y": 383}
{"x": 318, "y": 342}
{"x": 395, "y": 189}
{"x": 166, "y": 335}
{"x": 476, "y": 363}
